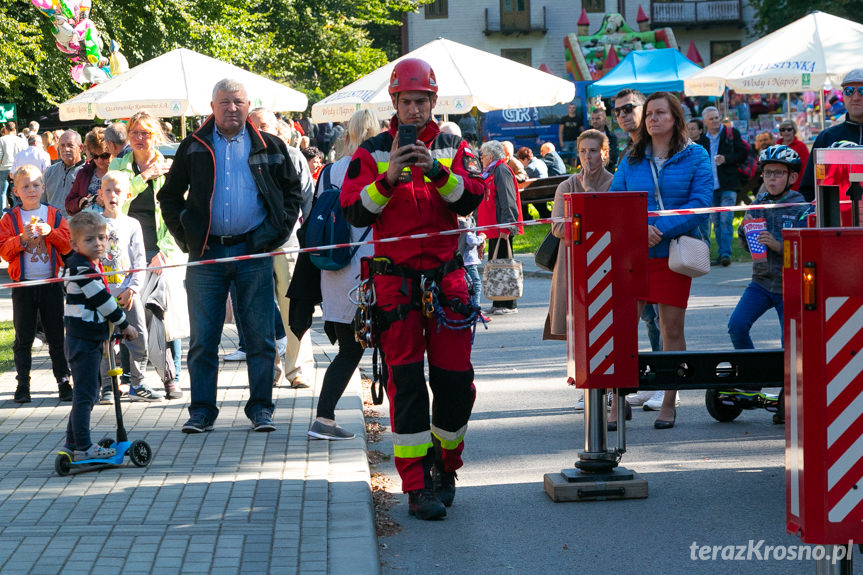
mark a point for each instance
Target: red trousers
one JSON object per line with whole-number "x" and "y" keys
{"x": 405, "y": 344}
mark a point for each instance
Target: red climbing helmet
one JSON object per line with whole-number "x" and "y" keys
{"x": 412, "y": 74}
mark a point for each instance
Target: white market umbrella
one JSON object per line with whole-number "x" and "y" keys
{"x": 466, "y": 78}
{"x": 814, "y": 51}
{"x": 177, "y": 83}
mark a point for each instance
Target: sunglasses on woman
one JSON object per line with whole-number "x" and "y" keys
{"x": 849, "y": 90}
{"x": 105, "y": 156}
{"x": 626, "y": 109}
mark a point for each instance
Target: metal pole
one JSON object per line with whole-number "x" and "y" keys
{"x": 595, "y": 434}
{"x": 829, "y": 566}
{"x": 823, "y": 111}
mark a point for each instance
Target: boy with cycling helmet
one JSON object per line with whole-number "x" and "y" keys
{"x": 780, "y": 167}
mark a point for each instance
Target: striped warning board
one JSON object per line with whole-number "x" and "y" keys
{"x": 600, "y": 314}
{"x": 843, "y": 357}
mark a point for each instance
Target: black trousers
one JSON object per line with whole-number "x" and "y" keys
{"x": 46, "y": 301}
{"x": 340, "y": 370}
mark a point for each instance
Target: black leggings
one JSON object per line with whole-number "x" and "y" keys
{"x": 340, "y": 370}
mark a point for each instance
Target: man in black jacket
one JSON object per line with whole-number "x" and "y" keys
{"x": 851, "y": 129}
{"x": 243, "y": 198}
{"x": 727, "y": 151}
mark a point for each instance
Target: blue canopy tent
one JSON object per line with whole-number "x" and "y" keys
{"x": 647, "y": 71}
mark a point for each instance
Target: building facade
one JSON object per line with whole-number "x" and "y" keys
{"x": 532, "y": 31}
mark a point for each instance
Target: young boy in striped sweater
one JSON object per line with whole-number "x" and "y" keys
{"x": 89, "y": 308}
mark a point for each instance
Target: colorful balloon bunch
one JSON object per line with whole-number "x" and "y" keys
{"x": 78, "y": 38}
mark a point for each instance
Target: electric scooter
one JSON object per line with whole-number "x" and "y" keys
{"x": 139, "y": 451}
{"x": 726, "y": 404}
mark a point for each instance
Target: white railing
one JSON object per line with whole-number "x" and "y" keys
{"x": 696, "y": 12}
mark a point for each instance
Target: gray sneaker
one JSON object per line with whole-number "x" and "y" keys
{"x": 107, "y": 396}
{"x": 320, "y": 430}
{"x": 144, "y": 393}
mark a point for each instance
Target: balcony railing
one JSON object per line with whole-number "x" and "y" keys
{"x": 526, "y": 26}
{"x": 697, "y": 13}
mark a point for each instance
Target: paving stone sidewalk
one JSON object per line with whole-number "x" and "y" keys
{"x": 227, "y": 502}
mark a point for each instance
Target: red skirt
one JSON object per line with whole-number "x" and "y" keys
{"x": 666, "y": 286}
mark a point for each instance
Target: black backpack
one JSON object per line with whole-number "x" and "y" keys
{"x": 327, "y": 226}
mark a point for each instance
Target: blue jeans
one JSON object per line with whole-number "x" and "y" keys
{"x": 754, "y": 302}
{"x": 280, "y": 326}
{"x": 569, "y": 152}
{"x": 85, "y": 357}
{"x": 650, "y": 316}
{"x": 474, "y": 284}
{"x": 207, "y": 291}
{"x": 722, "y": 221}
{"x": 4, "y": 184}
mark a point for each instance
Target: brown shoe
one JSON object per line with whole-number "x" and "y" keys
{"x": 300, "y": 382}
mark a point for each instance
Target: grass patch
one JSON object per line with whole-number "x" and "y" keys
{"x": 530, "y": 241}
{"x": 7, "y": 338}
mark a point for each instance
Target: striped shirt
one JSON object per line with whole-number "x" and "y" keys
{"x": 89, "y": 304}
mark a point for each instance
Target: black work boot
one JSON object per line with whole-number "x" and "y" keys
{"x": 425, "y": 505}
{"x": 22, "y": 393}
{"x": 65, "y": 390}
{"x": 444, "y": 484}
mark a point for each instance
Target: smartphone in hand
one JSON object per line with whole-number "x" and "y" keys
{"x": 408, "y": 137}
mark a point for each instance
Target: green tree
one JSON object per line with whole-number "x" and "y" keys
{"x": 770, "y": 15}
{"x": 316, "y": 46}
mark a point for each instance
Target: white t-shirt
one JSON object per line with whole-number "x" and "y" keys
{"x": 36, "y": 263}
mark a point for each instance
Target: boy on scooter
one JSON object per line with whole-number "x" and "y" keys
{"x": 89, "y": 308}
{"x": 761, "y": 235}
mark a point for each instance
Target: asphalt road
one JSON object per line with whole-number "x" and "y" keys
{"x": 709, "y": 483}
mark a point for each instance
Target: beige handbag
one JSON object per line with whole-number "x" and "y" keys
{"x": 502, "y": 279}
{"x": 686, "y": 255}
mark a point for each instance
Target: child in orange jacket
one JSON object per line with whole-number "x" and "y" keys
{"x": 33, "y": 237}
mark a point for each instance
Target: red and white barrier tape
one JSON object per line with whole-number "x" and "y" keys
{"x": 453, "y": 232}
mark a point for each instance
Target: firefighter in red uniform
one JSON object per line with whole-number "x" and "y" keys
{"x": 422, "y": 300}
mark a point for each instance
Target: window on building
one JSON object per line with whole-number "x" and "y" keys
{"x": 520, "y": 55}
{"x": 437, "y": 9}
{"x": 723, "y": 48}
{"x": 515, "y": 14}
{"x": 594, "y": 6}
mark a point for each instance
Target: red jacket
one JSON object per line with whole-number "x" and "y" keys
{"x": 79, "y": 188}
{"x": 12, "y": 251}
{"x": 503, "y": 209}
{"x": 417, "y": 205}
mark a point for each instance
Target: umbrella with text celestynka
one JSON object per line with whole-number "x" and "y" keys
{"x": 466, "y": 78}
{"x": 177, "y": 83}
{"x": 805, "y": 55}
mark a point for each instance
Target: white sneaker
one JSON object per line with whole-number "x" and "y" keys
{"x": 655, "y": 402}
{"x": 281, "y": 346}
{"x": 579, "y": 405}
{"x": 236, "y": 356}
{"x": 638, "y": 398}
{"x": 37, "y": 343}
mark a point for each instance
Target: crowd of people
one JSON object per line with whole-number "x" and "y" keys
{"x": 245, "y": 183}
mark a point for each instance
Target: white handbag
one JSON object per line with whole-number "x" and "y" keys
{"x": 686, "y": 255}
{"x": 502, "y": 279}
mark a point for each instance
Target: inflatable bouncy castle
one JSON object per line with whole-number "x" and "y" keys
{"x": 591, "y": 56}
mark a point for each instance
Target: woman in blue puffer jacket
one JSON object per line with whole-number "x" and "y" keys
{"x": 685, "y": 180}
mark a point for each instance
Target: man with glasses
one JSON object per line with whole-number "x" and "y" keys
{"x": 851, "y": 129}
{"x": 727, "y": 152}
{"x": 60, "y": 176}
{"x": 628, "y": 107}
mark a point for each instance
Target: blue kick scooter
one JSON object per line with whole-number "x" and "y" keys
{"x": 139, "y": 451}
